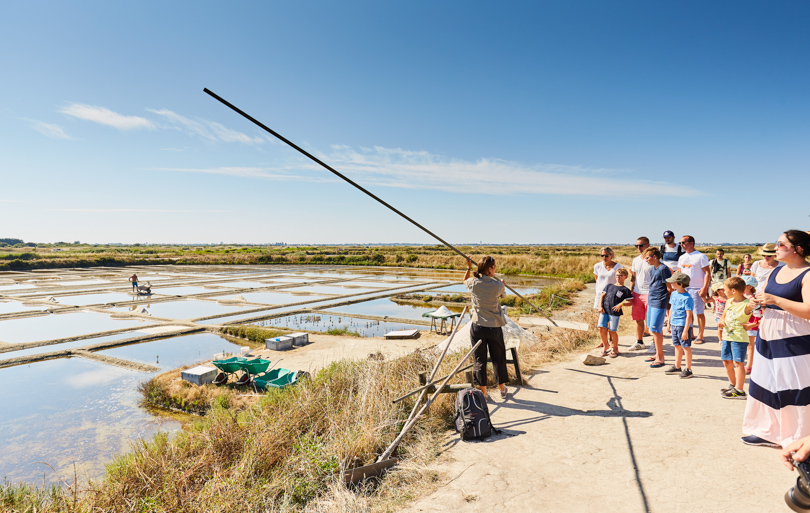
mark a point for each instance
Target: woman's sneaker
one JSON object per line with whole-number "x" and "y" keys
{"x": 686, "y": 373}
{"x": 734, "y": 394}
{"x": 755, "y": 440}
{"x": 727, "y": 389}
{"x": 673, "y": 370}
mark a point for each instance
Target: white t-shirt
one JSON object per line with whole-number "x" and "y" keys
{"x": 642, "y": 270}
{"x": 692, "y": 264}
{"x": 761, "y": 274}
{"x": 603, "y": 279}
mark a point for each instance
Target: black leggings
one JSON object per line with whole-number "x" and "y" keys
{"x": 493, "y": 338}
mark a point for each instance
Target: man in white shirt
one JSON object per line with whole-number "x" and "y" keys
{"x": 640, "y": 286}
{"x": 695, "y": 265}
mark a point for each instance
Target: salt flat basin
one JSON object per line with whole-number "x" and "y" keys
{"x": 271, "y": 298}
{"x": 96, "y": 299}
{"x": 184, "y": 308}
{"x": 70, "y": 345}
{"x": 239, "y": 285}
{"x": 54, "y": 326}
{"x": 330, "y": 290}
{"x": 319, "y": 322}
{"x": 16, "y": 306}
{"x": 78, "y": 410}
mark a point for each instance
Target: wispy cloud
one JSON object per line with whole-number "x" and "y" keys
{"x": 386, "y": 167}
{"x": 12, "y": 201}
{"x": 394, "y": 167}
{"x": 107, "y": 117}
{"x": 136, "y": 210}
{"x": 276, "y": 174}
{"x": 204, "y": 129}
{"x": 47, "y": 129}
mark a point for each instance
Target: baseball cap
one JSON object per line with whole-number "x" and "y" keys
{"x": 669, "y": 233}
{"x": 679, "y": 278}
{"x": 717, "y": 286}
{"x": 750, "y": 280}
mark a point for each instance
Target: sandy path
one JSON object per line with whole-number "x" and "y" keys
{"x": 617, "y": 437}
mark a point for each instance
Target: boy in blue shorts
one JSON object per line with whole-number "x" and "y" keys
{"x": 681, "y": 305}
{"x": 735, "y": 337}
{"x": 610, "y": 310}
{"x": 657, "y": 301}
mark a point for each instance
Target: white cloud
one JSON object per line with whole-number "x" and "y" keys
{"x": 138, "y": 210}
{"x": 207, "y": 130}
{"x": 276, "y": 174}
{"x": 47, "y": 129}
{"x": 107, "y": 117}
{"x": 394, "y": 167}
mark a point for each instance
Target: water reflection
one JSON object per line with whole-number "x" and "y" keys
{"x": 318, "y": 322}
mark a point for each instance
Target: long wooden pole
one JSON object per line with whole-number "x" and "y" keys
{"x": 436, "y": 367}
{"x": 356, "y": 185}
{"x": 407, "y": 427}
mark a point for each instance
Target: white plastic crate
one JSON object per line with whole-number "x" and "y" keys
{"x": 278, "y": 343}
{"x": 299, "y": 339}
{"x": 199, "y": 375}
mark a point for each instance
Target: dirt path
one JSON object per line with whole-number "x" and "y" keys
{"x": 620, "y": 437}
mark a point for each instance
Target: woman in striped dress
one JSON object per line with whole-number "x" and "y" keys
{"x": 777, "y": 411}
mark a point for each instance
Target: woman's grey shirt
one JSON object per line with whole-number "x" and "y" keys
{"x": 486, "y": 309}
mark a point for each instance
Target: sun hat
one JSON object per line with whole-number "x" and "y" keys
{"x": 669, "y": 233}
{"x": 750, "y": 280}
{"x": 768, "y": 249}
{"x": 679, "y": 278}
{"x": 717, "y": 286}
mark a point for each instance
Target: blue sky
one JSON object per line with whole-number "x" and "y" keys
{"x": 519, "y": 122}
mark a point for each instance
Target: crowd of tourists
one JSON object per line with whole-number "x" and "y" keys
{"x": 762, "y": 311}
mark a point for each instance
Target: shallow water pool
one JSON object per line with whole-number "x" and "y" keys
{"x": 386, "y": 307}
{"x": 317, "y": 322}
{"x": 54, "y": 326}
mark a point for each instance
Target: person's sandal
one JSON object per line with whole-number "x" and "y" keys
{"x": 699, "y": 341}
{"x": 605, "y": 352}
{"x": 650, "y": 359}
{"x": 657, "y": 365}
{"x": 614, "y": 354}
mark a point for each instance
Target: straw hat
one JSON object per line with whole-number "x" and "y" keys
{"x": 767, "y": 250}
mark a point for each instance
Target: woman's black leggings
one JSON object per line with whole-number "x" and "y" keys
{"x": 493, "y": 338}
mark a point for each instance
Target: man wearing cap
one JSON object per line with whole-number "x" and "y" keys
{"x": 670, "y": 251}
{"x": 640, "y": 279}
{"x": 695, "y": 265}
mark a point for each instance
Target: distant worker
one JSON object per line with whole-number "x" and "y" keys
{"x": 134, "y": 280}
{"x": 487, "y": 322}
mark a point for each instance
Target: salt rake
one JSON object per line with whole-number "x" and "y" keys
{"x": 557, "y": 324}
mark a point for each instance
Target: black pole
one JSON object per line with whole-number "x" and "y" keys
{"x": 356, "y": 185}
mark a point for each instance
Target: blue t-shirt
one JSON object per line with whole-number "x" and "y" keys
{"x": 681, "y": 303}
{"x": 659, "y": 295}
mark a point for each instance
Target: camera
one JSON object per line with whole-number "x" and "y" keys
{"x": 798, "y": 497}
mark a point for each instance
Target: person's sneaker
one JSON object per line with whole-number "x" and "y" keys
{"x": 686, "y": 373}
{"x": 673, "y": 370}
{"x": 637, "y": 347}
{"x": 727, "y": 389}
{"x": 734, "y": 394}
{"x": 761, "y": 442}
{"x": 504, "y": 392}
{"x": 651, "y": 349}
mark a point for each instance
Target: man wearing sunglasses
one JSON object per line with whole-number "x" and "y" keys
{"x": 695, "y": 265}
{"x": 640, "y": 285}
